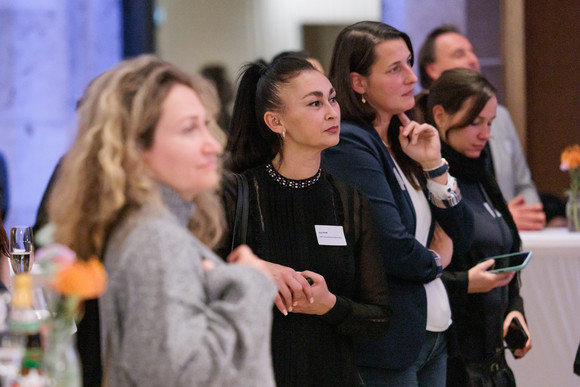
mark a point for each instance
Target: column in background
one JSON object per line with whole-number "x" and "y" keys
{"x": 49, "y": 51}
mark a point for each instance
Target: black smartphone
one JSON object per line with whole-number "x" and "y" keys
{"x": 516, "y": 337}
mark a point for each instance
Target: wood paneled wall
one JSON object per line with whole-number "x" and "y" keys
{"x": 552, "y": 35}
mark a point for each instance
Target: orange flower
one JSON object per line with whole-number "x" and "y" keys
{"x": 85, "y": 280}
{"x": 570, "y": 157}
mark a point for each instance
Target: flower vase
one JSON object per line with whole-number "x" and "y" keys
{"x": 61, "y": 358}
{"x": 573, "y": 211}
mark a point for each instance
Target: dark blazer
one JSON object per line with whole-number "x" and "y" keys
{"x": 362, "y": 159}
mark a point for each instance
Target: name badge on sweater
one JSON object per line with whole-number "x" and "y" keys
{"x": 330, "y": 235}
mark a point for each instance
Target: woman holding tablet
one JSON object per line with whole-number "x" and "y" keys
{"x": 462, "y": 104}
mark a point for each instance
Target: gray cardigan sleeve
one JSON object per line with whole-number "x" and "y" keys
{"x": 182, "y": 325}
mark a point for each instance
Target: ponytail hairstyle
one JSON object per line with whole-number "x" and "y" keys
{"x": 251, "y": 143}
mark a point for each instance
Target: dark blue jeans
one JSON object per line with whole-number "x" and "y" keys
{"x": 429, "y": 370}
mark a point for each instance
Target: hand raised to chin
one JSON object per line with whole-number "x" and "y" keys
{"x": 420, "y": 142}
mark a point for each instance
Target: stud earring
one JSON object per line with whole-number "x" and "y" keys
{"x": 363, "y": 99}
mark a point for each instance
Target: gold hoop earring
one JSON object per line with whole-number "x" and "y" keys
{"x": 363, "y": 99}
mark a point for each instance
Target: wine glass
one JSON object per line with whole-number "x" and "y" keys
{"x": 21, "y": 249}
{"x": 21, "y": 259}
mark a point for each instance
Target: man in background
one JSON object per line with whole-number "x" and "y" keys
{"x": 445, "y": 48}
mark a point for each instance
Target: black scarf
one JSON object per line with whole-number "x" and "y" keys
{"x": 477, "y": 170}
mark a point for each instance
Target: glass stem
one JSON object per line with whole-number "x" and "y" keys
{"x": 574, "y": 182}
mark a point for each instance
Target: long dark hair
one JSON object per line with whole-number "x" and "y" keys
{"x": 454, "y": 88}
{"x": 251, "y": 143}
{"x": 3, "y": 241}
{"x": 354, "y": 51}
{"x": 451, "y": 91}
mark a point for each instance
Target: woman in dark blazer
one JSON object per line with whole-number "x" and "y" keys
{"x": 388, "y": 156}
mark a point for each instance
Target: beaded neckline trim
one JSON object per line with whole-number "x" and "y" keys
{"x": 292, "y": 183}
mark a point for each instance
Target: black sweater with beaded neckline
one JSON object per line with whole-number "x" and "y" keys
{"x": 311, "y": 350}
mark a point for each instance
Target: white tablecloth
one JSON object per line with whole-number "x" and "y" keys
{"x": 551, "y": 292}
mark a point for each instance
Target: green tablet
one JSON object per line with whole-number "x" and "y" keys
{"x": 509, "y": 262}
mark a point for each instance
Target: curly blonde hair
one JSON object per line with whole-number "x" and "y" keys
{"x": 103, "y": 176}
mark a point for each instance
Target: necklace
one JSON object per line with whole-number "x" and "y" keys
{"x": 289, "y": 182}
{"x": 388, "y": 148}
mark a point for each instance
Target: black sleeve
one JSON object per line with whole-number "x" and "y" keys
{"x": 515, "y": 302}
{"x": 457, "y": 222}
{"x": 42, "y": 213}
{"x": 366, "y": 315}
{"x": 229, "y": 196}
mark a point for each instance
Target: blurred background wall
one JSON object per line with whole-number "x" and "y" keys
{"x": 51, "y": 49}
{"x": 193, "y": 33}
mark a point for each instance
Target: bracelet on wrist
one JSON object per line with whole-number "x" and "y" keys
{"x": 438, "y": 264}
{"x": 438, "y": 171}
{"x": 451, "y": 198}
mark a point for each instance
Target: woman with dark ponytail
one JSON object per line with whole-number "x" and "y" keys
{"x": 251, "y": 141}
{"x": 316, "y": 233}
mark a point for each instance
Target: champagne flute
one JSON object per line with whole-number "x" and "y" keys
{"x": 21, "y": 259}
{"x": 21, "y": 249}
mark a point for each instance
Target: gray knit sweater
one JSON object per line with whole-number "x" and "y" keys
{"x": 167, "y": 322}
